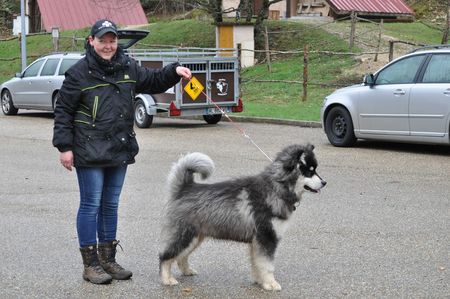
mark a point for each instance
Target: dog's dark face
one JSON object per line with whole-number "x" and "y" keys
{"x": 300, "y": 164}
{"x": 307, "y": 166}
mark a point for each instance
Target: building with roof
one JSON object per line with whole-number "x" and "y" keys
{"x": 374, "y": 9}
{"x": 77, "y": 14}
{"x": 380, "y": 9}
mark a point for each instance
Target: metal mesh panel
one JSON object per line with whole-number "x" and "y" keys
{"x": 195, "y": 67}
{"x": 220, "y": 66}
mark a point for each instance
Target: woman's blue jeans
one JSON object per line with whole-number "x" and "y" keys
{"x": 100, "y": 189}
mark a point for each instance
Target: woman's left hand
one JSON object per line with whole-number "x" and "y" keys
{"x": 184, "y": 72}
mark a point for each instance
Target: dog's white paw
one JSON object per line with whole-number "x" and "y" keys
{"x": 169, "y": 281}
{"x": 189, "y": 272}
{"x": 271, "y": 286}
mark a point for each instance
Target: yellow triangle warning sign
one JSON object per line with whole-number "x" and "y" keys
{"x": 194, "y": 88}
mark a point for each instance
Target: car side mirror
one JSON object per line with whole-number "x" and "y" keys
{"x": 369, "y": 80}
{"x": 18, "y": 75}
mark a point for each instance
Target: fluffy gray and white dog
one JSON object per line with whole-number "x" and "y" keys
{"x": 253, "y": 210}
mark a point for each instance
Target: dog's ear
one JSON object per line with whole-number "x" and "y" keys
{"x": 302, "y": 158}
{"x": 302, "y": 154}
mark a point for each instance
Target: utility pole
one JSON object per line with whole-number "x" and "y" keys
{"x": 23, "y": 35}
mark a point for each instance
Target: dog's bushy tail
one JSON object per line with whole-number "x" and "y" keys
{"x": 182, "y": 172}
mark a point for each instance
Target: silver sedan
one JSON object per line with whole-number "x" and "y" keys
{"x": 37, "y": 86}
{"x": 408, "y": 100}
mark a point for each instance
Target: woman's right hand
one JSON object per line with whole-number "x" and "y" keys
{"x": 66, "y": 159}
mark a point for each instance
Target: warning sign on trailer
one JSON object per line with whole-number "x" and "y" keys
{"x": 194, "y": 88}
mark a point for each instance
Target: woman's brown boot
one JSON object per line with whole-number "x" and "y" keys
{"x": 107, "y": 256}
{"x": 93, "y": 272}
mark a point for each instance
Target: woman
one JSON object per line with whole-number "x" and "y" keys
{"x": 93, "y": 132}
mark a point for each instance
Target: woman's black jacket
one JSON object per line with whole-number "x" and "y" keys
{"x": 94, "y": 113}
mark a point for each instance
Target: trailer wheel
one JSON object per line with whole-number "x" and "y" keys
{"x": 141, "y": 118}
{"x": 212, "y": 119}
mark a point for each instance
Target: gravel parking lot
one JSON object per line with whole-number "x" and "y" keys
{"x": 380, "y": 228}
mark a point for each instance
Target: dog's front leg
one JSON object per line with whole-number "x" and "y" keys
{"x": 262, "y": 257}
{"x": 255, "y": 271}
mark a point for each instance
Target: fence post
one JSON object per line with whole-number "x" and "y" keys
{"x": 391, "y": 50}
{"x": 239, "y": 54}
{"x": 55, "y": 35}
{"x": 379, "y": 40}
{"x": 74, "y": 42}
{"x": 305, "y": 73}
{"x": 266, "y": 37}
{"x": 352, "y": 29}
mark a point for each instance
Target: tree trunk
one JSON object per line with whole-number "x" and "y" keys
{"x": 447, "y": 26}
{"x": 218, "y": 18}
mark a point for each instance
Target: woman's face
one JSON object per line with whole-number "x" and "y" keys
{"x": 105, "y": 46}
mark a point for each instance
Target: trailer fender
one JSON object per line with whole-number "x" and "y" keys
{"x": 149, "y": 102}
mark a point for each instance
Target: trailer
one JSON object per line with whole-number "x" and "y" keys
{"x": 212, "y": 91}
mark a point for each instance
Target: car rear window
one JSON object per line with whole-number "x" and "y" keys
{"x": 49, "y": 67}
{"x": 66, "y": 64}
{"x": 438, "y": 70}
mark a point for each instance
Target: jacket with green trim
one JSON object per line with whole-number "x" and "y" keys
{"x": 94, "y": 112}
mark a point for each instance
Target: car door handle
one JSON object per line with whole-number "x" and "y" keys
{"x": 399, "y": 92}
{"x": 447, "y": 92}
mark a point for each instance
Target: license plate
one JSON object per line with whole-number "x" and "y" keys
{"x": 217, "y": 110}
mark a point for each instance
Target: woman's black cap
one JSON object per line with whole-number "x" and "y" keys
{"x": 103, "y": 26}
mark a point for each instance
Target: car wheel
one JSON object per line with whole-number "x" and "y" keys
{"x": 141, "y": 117}
{"x": 212, "y": 119}
{"x": 7, "y": 104}
{"x": 339, "y": 127}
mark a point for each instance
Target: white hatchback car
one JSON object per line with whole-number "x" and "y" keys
{"x": 408, "y": 100}
{"x": 37, "y": 86}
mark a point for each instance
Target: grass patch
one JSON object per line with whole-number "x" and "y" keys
{"x": 186, "y": 33}
{"x": 284, "y": 100}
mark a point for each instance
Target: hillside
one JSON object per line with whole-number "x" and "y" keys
{"x": 432, "y": 11}
{"x": 266, "y": 94}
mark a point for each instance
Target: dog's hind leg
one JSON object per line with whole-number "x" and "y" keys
{"x": 262, "y": 255}
{"x": 182, "y": 259}
{"x": 179, "y": 243}
{"x": 166, "y": 273}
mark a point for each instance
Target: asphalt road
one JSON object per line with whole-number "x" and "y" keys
{"x": 380, "y": 228}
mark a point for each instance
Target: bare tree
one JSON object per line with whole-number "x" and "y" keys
{"x": 167, "y": 7}
{"x": 212, "y": 7}
{"x": 262, "y": 15}
{"x": 245, "y": 8}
